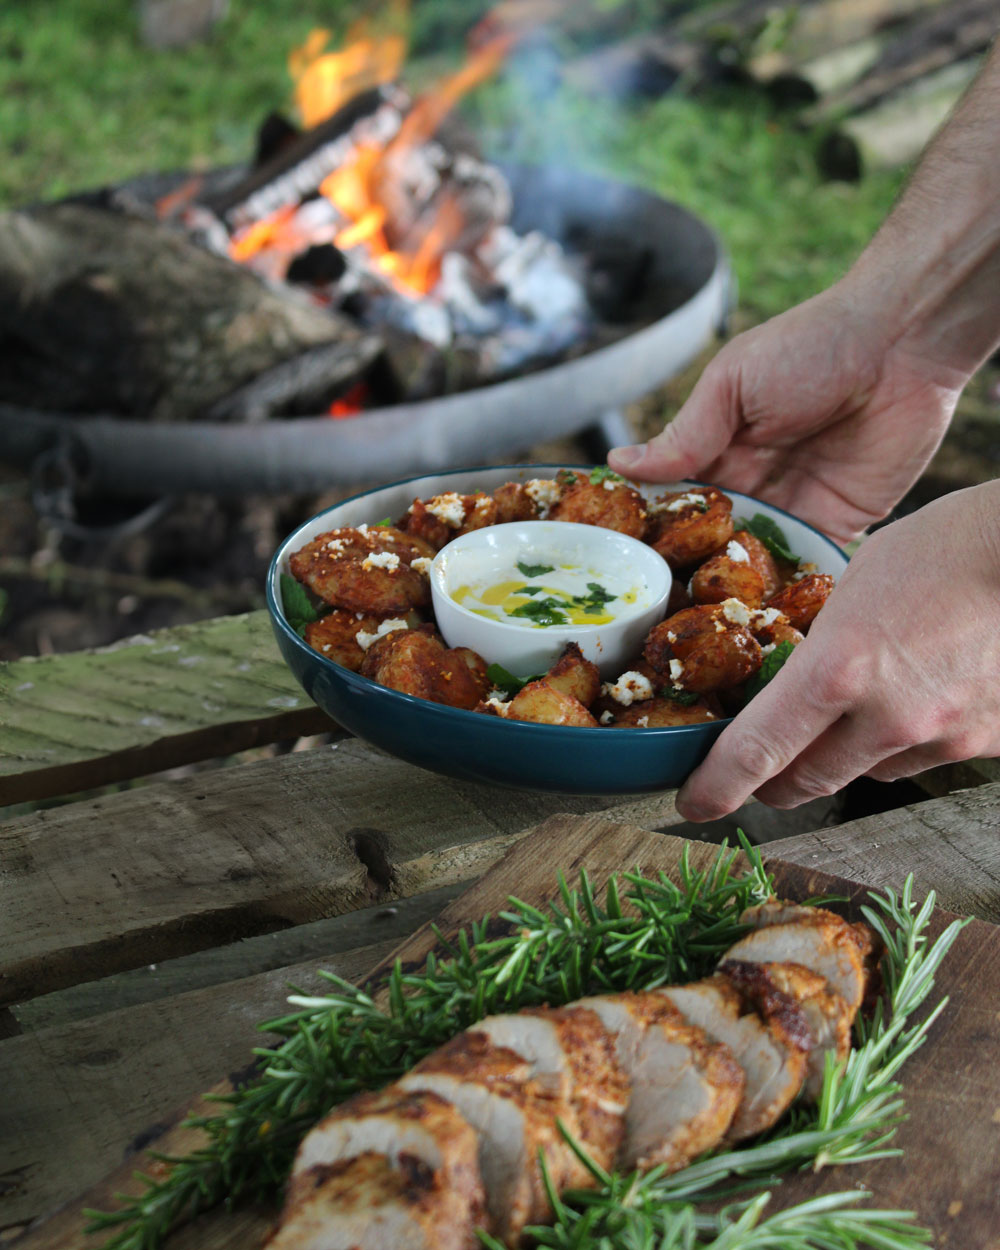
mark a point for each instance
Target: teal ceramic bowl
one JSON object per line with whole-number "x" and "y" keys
{"x": 473, "y": 747}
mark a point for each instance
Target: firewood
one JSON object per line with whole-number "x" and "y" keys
{"x": 897, "y": 130}
{"x": 102, "y": 311}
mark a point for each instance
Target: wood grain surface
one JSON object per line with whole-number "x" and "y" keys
{"x": 948, "y": 1174}
{"x": 154, "y": 873}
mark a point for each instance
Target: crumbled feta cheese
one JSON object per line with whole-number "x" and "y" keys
{"x": 336, "y": 545}
{"x": 422, "y": 564}
{"x": 760, "y": 618}
{"x": 482, "y": 503}
{"x": 643, "y": 722}
{"x": 690, "y": 499}
{"x": 609, "y": 484}
{"x": 676, "y": 670}
{"x": 735, "y": 612}
{"x": 544, "y": 493}
{"x": 326, "y": 646}
{"x": 671, "y": 636}
{"x": 768, "y": 648}
{"x": 363, "y": 529}
{"x": 607, "y": 718}
{"x": 629, "y": 688}
{"x": 804, "y": 570}
{"x": 719, "y": 627}
{"x": 737, "y": 552}
{"x": 381, "y": 560}
{"x": 365, "y": 639}
{"x": 499, "y": 705}
{"x": 448, "y": 508}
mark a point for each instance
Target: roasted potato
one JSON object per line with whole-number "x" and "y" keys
{"x": 610, "y": 503}
{"x": 769, "y": 627}
{"x": 705, "y": 648}
{"x": 574, "y": 675}
{"x": 515, "y": 503}
{"x": 440, "y": 519}
{"x": 800, "y": 601}
{"x": 686, "y": 527}
{"x": 538, "y": 701}
{"x": 417, "y": 662}
{"x": 336, "y": 635}
{"x": 661, "y": 712}
{"x": 366, "y": 569}
{"x": 762, "y": 561}
{"x": 728, "y": 576}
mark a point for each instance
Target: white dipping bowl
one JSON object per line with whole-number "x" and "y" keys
{"x": 522, "y": 647}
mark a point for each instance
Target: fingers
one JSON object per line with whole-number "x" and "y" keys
{"x": 699, "y": 433}
{"x": 764, "y": 740}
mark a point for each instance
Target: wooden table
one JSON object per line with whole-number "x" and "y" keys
{"x": 144, "y": 933}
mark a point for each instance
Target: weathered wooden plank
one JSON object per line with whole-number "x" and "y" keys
{"x": 83, "y": 720}
{"x": 93, "y": 1085}
{"x": 947, "y": 1173}
{"x": 951, "y": 845}
{"x": 158, "y": 872}
{"x": 386, "y": 922}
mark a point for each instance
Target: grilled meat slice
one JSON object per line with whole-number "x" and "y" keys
{"x": 572, "y": 1056}
{"x": 685, "y": 1088}
{"x": 780, "y": 911}
{"x": 370, "y": 1202}
{"x": 819, "y": 940}
{"x": 394, "y": 1123}
{"x": 772, "y": 1056}
{"x": 770, "y": 987}
{"x": 515, "y": 1117}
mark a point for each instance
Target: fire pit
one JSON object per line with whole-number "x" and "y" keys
{"x": 557, "y": 297}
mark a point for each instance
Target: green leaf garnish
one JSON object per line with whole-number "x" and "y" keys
{"x": 535, "y": 570}
{"x": 385, "y": 521}
{"x": 595, "y": 601}
{"x": 503, "y": 679}
{"x": 768, "y": 669}
{"x": 770, "y": 534}
{"x": 547, "y": 611}
{"x": 296, "y": 604}
{"x": 679, "y": 695}
{"x": 604, "y": 474}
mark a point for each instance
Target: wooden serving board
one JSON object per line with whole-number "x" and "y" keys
{"x": 949, "y": 1174}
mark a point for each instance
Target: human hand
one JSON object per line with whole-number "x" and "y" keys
{"x": 817, "y": 411}
{"x": 897, "y": 673}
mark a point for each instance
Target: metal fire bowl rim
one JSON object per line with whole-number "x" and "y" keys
{"x": 313, "y": 453}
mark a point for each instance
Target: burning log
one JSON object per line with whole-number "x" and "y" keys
{"x": 101, "y": 311}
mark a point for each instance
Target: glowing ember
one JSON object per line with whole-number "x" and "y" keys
{"x": 350, "y": 403}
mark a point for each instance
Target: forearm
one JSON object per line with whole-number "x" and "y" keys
{"x": 933, "y": 270}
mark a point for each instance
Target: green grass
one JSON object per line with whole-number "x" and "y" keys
{"x": 83, "y": 103}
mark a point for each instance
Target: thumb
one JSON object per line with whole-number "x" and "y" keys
{"x": 697, "y": 436}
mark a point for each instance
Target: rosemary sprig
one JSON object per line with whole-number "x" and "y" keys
{"x": 646, "y": 932}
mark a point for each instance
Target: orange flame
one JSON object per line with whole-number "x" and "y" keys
{"x": 324, "y": 82}
{"x": 350, "y": 403}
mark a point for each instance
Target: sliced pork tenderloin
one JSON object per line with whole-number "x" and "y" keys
{"x": 395, "y": 1123}
{"x": 771, "y": 986}
{"x": 772, "y": 1055}
{"x": 824, "y": 943}
{"x": 685, "y": 1087}
{"x": 572, "y": 1056}
{"x": 515, "y": 1117}
{"x": 372, "y": 1202}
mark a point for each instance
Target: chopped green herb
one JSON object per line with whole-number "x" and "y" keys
{"x": 595, "y": 601}
{"x": 504, "y": 680}
{"x": 385, "y": 521}
{"x": 679, "y": 695}
{"x": 772, "y": 663}
{"x": 604, "y": 474}
{"x": 547, "y": 611}
{"x": 531, "y": 590}
{"x": 770, "y": 534}
{"x": 535, "y": 570}
{"x": 298, "y": 607}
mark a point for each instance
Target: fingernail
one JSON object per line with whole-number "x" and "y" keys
{"x": 629, "y": 457}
